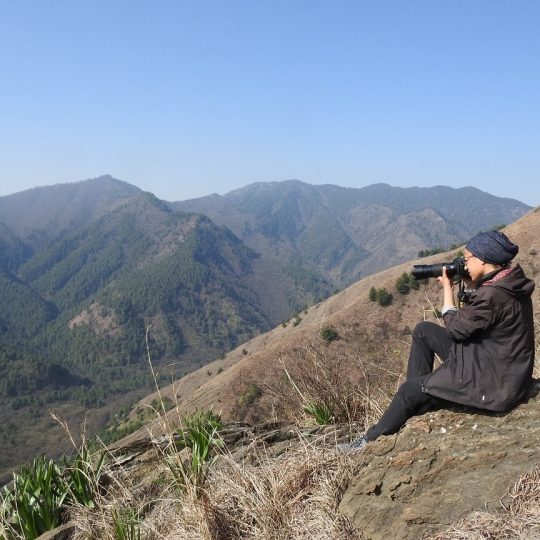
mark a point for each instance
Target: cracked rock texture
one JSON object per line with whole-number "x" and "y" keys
{"x": 441, "y": 466}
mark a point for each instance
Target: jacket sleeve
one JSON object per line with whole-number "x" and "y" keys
{"x": 471, "y": 319}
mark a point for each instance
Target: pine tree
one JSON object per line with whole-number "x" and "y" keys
{"x": 385, "y": 298}
{"x": 403, "y": 284}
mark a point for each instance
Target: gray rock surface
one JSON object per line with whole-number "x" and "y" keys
{"x": 441, "y": 466}
{"x": 64, "y": 532}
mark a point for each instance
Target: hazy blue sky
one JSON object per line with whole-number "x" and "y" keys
{"x": 188, "y": 98}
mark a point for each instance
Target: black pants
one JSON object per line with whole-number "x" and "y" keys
{"x": 428, "y": 339}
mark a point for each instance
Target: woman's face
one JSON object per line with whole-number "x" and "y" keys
{"x": 475, "y": 266}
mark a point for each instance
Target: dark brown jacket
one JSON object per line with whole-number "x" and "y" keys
{"x": 492, "y": 355}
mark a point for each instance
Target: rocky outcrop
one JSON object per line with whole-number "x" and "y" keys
{"x": 440, "y": 467}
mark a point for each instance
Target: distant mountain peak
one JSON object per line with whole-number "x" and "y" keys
{"x": 50, "y": 210}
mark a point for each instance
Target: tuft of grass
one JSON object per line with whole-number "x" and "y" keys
{"x": 328, "y": 386}
{"x": 295, "y": 495}
{"x": 320, "y": 411}
{"x": 83, "y": 475}
{"x": 126, "y": 524}
{"x": 200, "y": 434}
{"x": 35, "y": 504}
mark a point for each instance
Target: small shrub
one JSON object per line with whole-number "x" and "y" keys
{"x": 402, "y": 284}
{"x": 428, "y": 252}
{"x": 406, "y": 282}
{"x": 329, "y": 334}
{"x": 220, "y": 370}
{"x": 373, "y": 294}
{"x": 249, "y": 396}
{"x": 384, "y": 297}
{"x": 244, "y": 351}
{"x": 297, "y": 320}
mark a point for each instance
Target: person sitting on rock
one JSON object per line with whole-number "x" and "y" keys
{"x": 486, "y": 347}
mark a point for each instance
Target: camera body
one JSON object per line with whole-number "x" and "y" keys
{"x": 458, "y": 267}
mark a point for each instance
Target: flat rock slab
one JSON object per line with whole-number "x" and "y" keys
{"x": 441, "y": 466}
{"x": 64, "y": 532}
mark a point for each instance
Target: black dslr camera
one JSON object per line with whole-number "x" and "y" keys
{"x": 458, "y": 267}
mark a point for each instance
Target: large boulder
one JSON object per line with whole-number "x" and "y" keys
{"x": 440, "y": 467}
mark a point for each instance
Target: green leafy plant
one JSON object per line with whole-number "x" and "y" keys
{"x": 320, "y": 411}
{"x": 34, "y": 506}
{"x": 200, "y": 434}
{"x": 83, "y": 475}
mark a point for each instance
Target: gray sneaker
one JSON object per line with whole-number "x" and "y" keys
{"x": 355, "y": 446}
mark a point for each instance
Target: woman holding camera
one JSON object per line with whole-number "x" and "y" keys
{"x": 486, "y": 347}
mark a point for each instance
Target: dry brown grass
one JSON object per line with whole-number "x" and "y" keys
{"x": 352, "y": 388}
{"x": 293, "y": 496}
{"x": 286, "y": 498}
{"x": 520, "y": 519}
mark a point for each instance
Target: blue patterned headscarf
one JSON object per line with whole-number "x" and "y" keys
{"x": 492, "y": 247}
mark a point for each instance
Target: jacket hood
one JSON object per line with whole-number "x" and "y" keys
{"x": 515, "y": 283}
